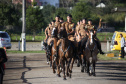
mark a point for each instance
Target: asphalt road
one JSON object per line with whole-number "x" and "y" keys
{"x": 33, "y": 69}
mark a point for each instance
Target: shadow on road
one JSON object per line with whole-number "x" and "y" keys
{"x": 112, "y": 71}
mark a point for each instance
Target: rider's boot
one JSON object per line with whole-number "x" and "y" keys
{"x": 48, "y": 50}
{"x": 99, "y": 47}
{"x": 57, "y": 51}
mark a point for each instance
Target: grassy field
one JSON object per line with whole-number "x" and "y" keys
{"x": 104, "y": 36}
{"x": 28, "y": 37}
{"x": 101, "y": 36}
{"x": 15, "y": 51}
{"x": 105, "y": 58}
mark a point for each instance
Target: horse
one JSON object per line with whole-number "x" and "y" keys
{"x": 53, "y": 49}
{"x": 45, "y": 48}
{"x": 90, "y": 53}
{"x": 66, "y": 56}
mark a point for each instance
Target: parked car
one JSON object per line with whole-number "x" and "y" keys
{"x": 5, "y": 40}
{"x": 116, "y": 40}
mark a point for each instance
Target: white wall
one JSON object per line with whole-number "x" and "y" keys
{"x": 51, "y": 2}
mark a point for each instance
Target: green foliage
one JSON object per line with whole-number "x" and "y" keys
{"x": 48, "y": 12}
{"x": 15, "y": 51}
{"x": 34, "y": 19}
{"x": 81, "y": 10}
{"x": 62, "y": 12}
{"x": 34, "y": 3}
{"x": 16, "y": 37}
{"x": 8, "y": 15}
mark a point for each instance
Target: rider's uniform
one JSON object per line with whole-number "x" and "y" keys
{"x": 49, "y": 34}
{"x": 88, "y": 28}
{"x": 70, "y": 29}
{"x": 57, "y": 26}
{"x": 81, "y": 31}
{"x": 46, "y": 33}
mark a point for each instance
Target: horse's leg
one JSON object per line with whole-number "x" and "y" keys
{"x": 94, "y": 68}
{"x": 47, "y": 58}
{"x": 70, "y": 70}
{"x": 78, "y": 61}
{"x": 67, "y": 67}
{"x": 87, "y": 67}
{"x": 58, "y": 67}
{"x": 90, "y": 66}
{"x": 71, "y": 66}
{"x": 82, "y": 64}
{"x": 63, "y": 63}
{"x": 53, "y": 63}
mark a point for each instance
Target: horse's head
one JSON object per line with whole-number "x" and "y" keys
{"x": 62, "y": 33}
{"x": 91, "y": 33}
{"x": 54, "y": 32}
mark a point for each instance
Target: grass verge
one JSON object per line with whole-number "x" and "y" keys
{"x": 15, "y": 51}
{"x": 115, "y": 58}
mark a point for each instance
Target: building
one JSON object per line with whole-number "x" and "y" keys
{"x": 20, "y": 1}
{"x": 51, "y": 2}
{"x": 39, "y": 2}
{"x": 101, "y": 5}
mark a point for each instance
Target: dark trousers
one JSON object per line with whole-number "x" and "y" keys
{"x": 1, "y": 78}
{"x": 122, "y": 52}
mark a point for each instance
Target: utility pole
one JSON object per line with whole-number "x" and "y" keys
{"x": 23, "y": 25}
{"x": 125, "y": 22}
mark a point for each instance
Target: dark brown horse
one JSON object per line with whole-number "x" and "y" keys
{"x": 66, "y": 56}
{"x": 45, "y": 48}
{"x": 91, "y": 52}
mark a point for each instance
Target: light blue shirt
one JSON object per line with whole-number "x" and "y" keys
{"x": 122, "y": 42}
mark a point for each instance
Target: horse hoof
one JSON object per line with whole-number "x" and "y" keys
{"x": 67, "y": 74}
{"x": 90, "y": 74}
{"x": 58, "y": 75}
{"x": 78, "y": 65}
{"x": 70, "y": 71}
{"x": 64, "y": 79}
{"x": 48, "y": 63}
{"x": 54, "y": 72}
{"x": 70, "y": 76}
{"x": 94, "y": 74}
{"x": 82, "y": 70}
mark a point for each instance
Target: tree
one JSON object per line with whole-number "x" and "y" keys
{"x": 62, "y": 12}
{"x": 34, "y": 20}
{"x": 48, "y": 13}
{"x": 81, "y": 10}
{"x": 9, "y": 15}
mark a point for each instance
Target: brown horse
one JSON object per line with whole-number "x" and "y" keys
{"x": 66, "y": 56}
{"x": 53, "y": 48}
{"x": 91, "y": 52}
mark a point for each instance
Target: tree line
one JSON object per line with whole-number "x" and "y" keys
{"x": 38, "y": 19}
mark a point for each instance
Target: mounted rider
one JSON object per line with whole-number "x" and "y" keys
{"x": 46, "y": 33}
{"x": 49, "y": 34}
{"x": 70, "y": 29}
{"x": 81, "y": 29}
{"x": 56, "y": 25}
{"x": 89, "y": 27}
